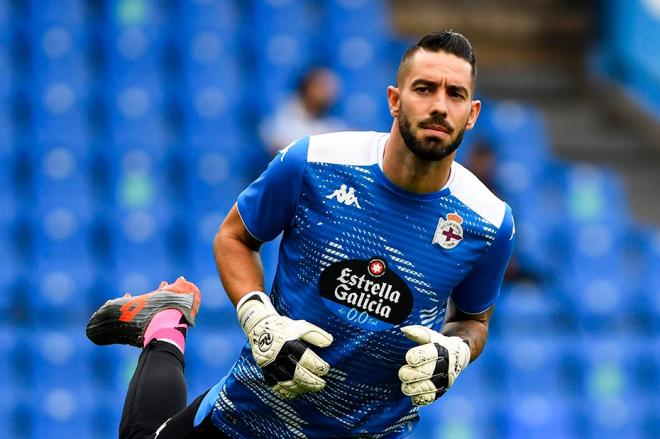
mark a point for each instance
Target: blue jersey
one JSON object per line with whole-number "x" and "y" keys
{"x": 360, "y": 257}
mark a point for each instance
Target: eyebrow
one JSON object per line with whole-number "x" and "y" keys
{"x": 433, "y": 84}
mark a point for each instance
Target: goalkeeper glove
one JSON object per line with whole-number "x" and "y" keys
{"x": 289, "y": 366}
{"x": 433, "y": 367}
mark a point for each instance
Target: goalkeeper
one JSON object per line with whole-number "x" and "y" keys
{"x": 391, "y": 260}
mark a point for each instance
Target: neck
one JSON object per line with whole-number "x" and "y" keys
{"x": 409, "y": 172}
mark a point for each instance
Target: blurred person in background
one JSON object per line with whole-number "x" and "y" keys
{"x": 306, "y": 113}
{"x": 392, "y": 259}
{"x": 482, "y": 161}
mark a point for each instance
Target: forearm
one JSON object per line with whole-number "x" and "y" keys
{"x": 237, "y": 259}
{"x": 473, "y": 331}
{"x": 470, "y": 327}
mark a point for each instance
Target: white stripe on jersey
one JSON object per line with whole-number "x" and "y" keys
{"x": 361, "y": 148}
{"x": 345, "y": 148}
{"x": 474, "y": 194}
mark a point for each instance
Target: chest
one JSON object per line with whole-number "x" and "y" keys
{"x": 345, "y": 214}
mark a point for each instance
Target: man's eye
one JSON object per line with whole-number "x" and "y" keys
{"x": 422, "y": 89}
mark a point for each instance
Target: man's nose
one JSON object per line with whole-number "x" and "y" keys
{"x": 439, "y": 106}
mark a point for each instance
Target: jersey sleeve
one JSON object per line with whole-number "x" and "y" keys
{"x": 268, "y": 204}
{"x": 478, "y": 291}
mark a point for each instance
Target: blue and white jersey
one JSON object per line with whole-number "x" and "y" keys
{"x": 361, "y": 257}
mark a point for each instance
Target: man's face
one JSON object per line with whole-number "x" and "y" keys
{"x": 433, "y": 104}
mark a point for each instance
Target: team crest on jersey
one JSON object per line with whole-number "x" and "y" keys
{"x": 449, "y": 232}
{"x": 366, "y": 293}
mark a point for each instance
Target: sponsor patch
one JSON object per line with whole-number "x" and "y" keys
{"x": 366, "y": 293}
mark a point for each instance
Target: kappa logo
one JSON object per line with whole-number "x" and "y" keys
{"x": 345, "y": 195}
{"x": 449, "y": 232}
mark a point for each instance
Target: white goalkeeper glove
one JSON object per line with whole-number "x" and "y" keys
{"x": 289, "y": 366}
{"x": 433, "y": 367}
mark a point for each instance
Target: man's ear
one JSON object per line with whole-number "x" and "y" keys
{"x": 474, "y": 114}
{"x": 393, "y": 100}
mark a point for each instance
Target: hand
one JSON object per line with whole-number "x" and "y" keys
{"x": 289, "y": 366}
{"x": 433, "y": 367}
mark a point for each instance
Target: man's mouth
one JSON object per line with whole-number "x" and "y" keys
{"x": 436, "y": 127}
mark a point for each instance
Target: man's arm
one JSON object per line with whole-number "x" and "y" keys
{"x": 289, "y": 366}
{"x": 237, "y": 258}
{"x": 472, "y": 328}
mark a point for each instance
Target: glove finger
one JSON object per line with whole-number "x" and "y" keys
{"x": 418, "y": 333}
{"x": 286, "y": 389}
{"x": 423, "y": 399}
{"x": 312, "y": 334}
{"x": 313, "y": 363}
{"x": 418, "y": 388}
{"x": 306, "y": 381}
{"x": 410, "y": 374}
{"x": 420, "y": 355}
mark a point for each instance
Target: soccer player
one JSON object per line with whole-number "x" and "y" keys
{"x": 390, "y": 263}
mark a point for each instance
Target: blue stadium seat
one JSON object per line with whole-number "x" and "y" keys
{"x": 121, "y": 14}
{"x": 111, "y": 369}
{"x": 62, "y": 233}
{"x": 8, "y": 78}
{"x": 651, "y": 277}
{"x": 210, "y": 355}
{"x": 144, "y": 176}
{"x": 141, "y": 222}
{"x": 62, "y": 179}
{"x": 286, "y": 44}
{"x": 61, "y": 379}
{"x": 458, "y": 414}
{"x": 61, "y": 295}
{"x": 369, "y": 18}
{"x": 216, "y": 302}
{"x": 137, "y": 42}
{"x": 141, "y": 257}
{"x": 527, "y": 307}
{"x": 9, "y": 268}
{"x": 364, "y": 85}
{"x": 596, "y": 282}
{"x": 536, "y": 364}
{"x": 595, "y": 195}
{"x": 517, "y": 132}
{"x": 213, "y": 97}
{"x": 72, "y": 13}
{"x": 299, "y": 17}
{"x": 214, "y": 180}
{"x": 61, "y": 87}
{"x": 222, "y": 16}
{"x": 6, "y": 16}
{"x": 137, "y": 110}
{"x": 542, "y": 415}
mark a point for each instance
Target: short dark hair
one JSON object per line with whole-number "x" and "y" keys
{"x": 446, "y": 41}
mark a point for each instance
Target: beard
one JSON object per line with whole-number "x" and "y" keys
{"x": 428, "y": 149}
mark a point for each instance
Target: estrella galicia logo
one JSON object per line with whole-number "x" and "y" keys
{"x": 366, "y": 293}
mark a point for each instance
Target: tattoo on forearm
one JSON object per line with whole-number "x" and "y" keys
{"x": 470, "y": 327}
{"x": 474, "y": 332}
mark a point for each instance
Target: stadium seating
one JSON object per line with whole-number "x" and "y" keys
{"x": 128, "y": 128}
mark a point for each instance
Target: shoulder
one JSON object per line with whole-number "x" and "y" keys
{"x": 345, "y": 148}
{"x": 469, "y": 190}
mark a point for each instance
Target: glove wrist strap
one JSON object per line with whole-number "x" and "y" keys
{"x": 252, "y": 308}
